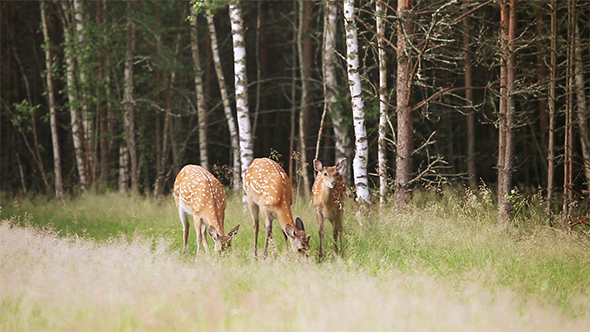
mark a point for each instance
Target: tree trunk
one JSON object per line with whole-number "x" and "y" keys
{"x": 129, "y": 103}
{"x": 341, "y": 138}
{"x": 582, "y": 112}
{"x": 471, "y": 170}
{"x": 241, "y": 86}
{"x": 383, "y": 114}
{"x": 552, "y": 112}
{"x": 293, "y": 172}
{"x": 77, "y": 133}
{"x": 504, "y": 14}
{"x": 358, "y": 107}
{"x": 123, "y": 167}
{"x": 303, "y": 109}
{"x": 160, "y": 129}
{"x": 52, "y": 110}
{"x": 87, "y": 125}
{"x": 568, "y": 179}
{"x": 103, "y": 110}
{"x": 405, "y": 116}
{"x": 508, "y": 20}
{"x": 231, "y": 121}
{"x": 542, "y": 75}
{"x": 201, "y": 111}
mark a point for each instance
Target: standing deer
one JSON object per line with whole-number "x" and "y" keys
{"x": 199, "y": 193}
{"x": 269, "y": 193}
{"x": 328, "y": 193}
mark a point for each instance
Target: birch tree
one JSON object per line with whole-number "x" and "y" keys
{"x": 231, "y": 122}
{"x": 201, "y": 111}
{"x": 241, "y": 85}
{"x": 70, "y": 60}
{"x": 52, "y": 109}
{"x": 86, "y": 117}
{"x": 358, "y": 112}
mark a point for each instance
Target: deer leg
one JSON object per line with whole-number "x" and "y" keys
{"x": 185, "y": 228}
{"x": 337, "y": 236}
{"x": 321, "y": 232}
{"x": 337, "y": 233}
{"x": 254, "y": 212}
{"x": 204, "y": 236}
{"x": 268, "y": 224}
{"x": 199, "y": 235}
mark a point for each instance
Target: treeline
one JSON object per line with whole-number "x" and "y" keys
{"x": 119, "y": 95}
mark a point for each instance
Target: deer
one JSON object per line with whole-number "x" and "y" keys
{"x": 328, "y": 193}
{"x": 198, "y": 193}
{"x": 269, "y": 194}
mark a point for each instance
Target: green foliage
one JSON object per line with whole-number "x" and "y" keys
{"x": 207, "y": 7}
{"x": 24, "y": 116}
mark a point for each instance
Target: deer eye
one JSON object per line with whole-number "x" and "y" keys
{"x": 325, "y": 173}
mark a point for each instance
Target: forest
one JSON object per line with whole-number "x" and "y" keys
{"x": 119, "y": 95}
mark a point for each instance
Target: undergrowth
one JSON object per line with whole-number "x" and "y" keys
{"x": 451, "y": 236}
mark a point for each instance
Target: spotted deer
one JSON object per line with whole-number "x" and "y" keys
{"x": 328, "y": 193}
{"x": 199, "y": 193}
{"x": 269, "y": 193}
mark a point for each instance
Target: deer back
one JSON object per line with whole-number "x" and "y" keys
{"x": 267, "y": 184}
{"x": 201, "y": 194}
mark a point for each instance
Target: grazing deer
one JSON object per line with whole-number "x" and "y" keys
{"x": 199, "y": 193}
{"x": 269, "y": 193}
{"x": 328, "y": 193}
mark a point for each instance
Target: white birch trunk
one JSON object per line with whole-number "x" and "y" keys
{"x": 71, "y": 84}
{"x": 382, "y": 167}
{"x": 231, "y": 121}
{"x": 359, "y": 162}
{"x": 52, "y": 109}
{"x": 241, "y": 86}
{"x": 201, "y": 111}
{"x": 86, "y": 116}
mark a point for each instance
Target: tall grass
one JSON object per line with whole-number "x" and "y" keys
{"x": 113, "y": 262}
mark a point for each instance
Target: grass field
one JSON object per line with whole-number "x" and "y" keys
{"x": 113, "y": 262}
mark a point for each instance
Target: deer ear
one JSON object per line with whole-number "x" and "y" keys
{"x": 213, "y": 232}
{"x": 234, "y": 231}
{"x": 317, "y": 165}
{"x": 299, "y": 224}
{"x": 290, "y": 231}
{"x": 340, "y": 164}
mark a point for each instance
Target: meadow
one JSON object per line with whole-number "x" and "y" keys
{"x": 114, "y": 262}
